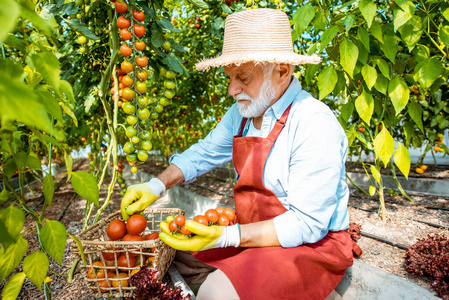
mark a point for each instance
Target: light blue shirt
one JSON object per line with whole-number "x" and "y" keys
{"x": 305, "y": 168}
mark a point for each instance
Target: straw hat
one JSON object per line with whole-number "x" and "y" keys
{"x": 258, "y": 35}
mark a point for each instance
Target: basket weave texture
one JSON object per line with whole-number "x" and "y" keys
{"x": 152, "y": 253}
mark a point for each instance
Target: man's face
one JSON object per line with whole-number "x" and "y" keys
{"x": 248, "y": 86}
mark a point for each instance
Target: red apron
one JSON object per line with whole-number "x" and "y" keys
{"x": 309, "y": 271}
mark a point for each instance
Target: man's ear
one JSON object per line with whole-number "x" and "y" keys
{"x": 283, "y": 72}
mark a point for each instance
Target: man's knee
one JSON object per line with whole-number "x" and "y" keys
{"x": 217, "y": 286}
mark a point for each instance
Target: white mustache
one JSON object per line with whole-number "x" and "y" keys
{"x": 243, "y": 96}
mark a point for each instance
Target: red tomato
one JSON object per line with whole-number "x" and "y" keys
{"x": 123, "y": 23}
{"x": 151, "y": 236}
{"x": 132, "y": 238}
{"x": 185, "y": 230}
{"x": 180, "y": 220}
{"x": 121, "y": 7}
{"x": 201, "y": 219}
{"x": 136, "y": 224}
{"x": 172, "y": 226}
{"x": 212, "y": 215}
{"x": 116, "y": 229}
{"x": 138, "y": 15}
{"x": 125, "y": 34}
{"x": 139, "y": 30}
{"x": 124, "y": 262}
{"x": 223, "y": 220}
{"x": 230, "y": 213}
{"x": 97, "y": 269}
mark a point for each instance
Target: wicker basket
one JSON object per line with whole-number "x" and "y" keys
{"x": 153, "y": 253}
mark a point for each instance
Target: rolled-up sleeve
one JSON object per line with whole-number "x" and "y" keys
{"x": 315, "y": 169}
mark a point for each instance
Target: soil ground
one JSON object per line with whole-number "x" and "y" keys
{"x": 404, "y": 224}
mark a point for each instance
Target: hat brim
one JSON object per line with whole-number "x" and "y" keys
{"x": 258, "y": 57}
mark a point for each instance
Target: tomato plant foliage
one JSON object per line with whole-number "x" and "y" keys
{"x": 65, "y": 86}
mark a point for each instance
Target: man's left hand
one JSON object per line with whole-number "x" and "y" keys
{"x": 204, "y": 237}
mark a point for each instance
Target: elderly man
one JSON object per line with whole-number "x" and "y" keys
{"x": 289, "y": 153}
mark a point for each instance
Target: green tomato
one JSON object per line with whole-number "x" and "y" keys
{"x": 142, "y": 155}
{"x": 154, "y": 115}
{"x": 79, "y": 2}
{"x": 146, "y": 145}
{"x": 170, "y": 74}
{"x": 141, "y": 87}
{"x": 135, "y": 139}
{"x": 163, "y": 71}
{"x": 143, "y": 113}
{"x": 128, "y": 108}
{"x": 131, "y": 158}
{"x": 131, "y": 119}
{"x": 166, "y": 45}
{"x": 169, "y": 84}
{"x": 129, "y": 148}
{"x": 130, "y": 131}
{"x": 158, "y": 108}
{"x": 79, "y": 16}
{"x": 82, "y": 50}
{"x": 82, "y": 40}
{"x": 143, "y": 101}
{"x": 164, "y": 101}
{"x": 145, "y": 135}
{"x": 169, "y": 94}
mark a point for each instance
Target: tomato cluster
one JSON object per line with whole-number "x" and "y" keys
{"x": 215, "y": 216}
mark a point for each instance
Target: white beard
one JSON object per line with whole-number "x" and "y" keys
{"x": 258, "y": 105}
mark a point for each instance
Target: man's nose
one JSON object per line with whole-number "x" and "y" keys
{"x": 234, "y": 88}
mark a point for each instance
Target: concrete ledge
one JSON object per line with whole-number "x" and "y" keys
{"x": 363, "y": 281}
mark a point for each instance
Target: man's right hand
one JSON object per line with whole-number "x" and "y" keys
{"x": 140, "y": 196}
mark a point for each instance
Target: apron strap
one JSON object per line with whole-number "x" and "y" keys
{"x": 279, "y": 125}
{"x": 243, "y": 126}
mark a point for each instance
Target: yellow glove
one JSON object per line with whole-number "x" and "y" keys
{"x": 205, "y": 237}
{"x": 140, "y": 196}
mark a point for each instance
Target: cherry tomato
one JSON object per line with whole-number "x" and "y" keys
{"x": 142, "y": 61}
{"x": 125, "y": 34}
{"x": 139, "y": 16}
{"x": 140, "y": 45}
{"x": 121, "y": 7}
{"x": 185, "y": 230}
{"x": 201, "y": 219}
{"x": 128, "y": 94}
{"x": 142, "y": 74}
{"x": 126, "y": 66}
{"x": 96, "y": 270}
{"x": 123, "y": 23}
{"x": 229, "y": 213}
{"x": 122, "y": 283}
{"x": 180, "y": 220}
{"x": 172, "y": 226}
{"x": 212, "y": 215}
{"x": 136, "y": 224}
{"x": 139, "y": 30}
{"x": 127, "y": 81}
{"x": 219, "y": 209}
{"x": 116, "y": 229}
{"x": 141, "y": 87}
{"x": 151, "y": 236}
{"x": 146, "y": 145}
{"x": 223, "y": 220}
{"x": 125, "y": 50}
{"x": 110, "y": 255}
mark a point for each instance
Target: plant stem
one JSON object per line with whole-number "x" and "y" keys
{"x": 393, "y": 172}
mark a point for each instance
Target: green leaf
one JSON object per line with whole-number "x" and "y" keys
{"x": 21, "y": 159}
{"x": 376, "y": 31}
{"x": 69, "y": 112}
{"x": 383, "y": 67}
{"x": 68, "y": 163}
{"x": 53, "y": 237}
{"x": 157, "y": 38}
{"x": 444, "y": 35}
{"x": 80, "y": 247}
{"x": 10, "y": 168}
{"x": 166, "y": 24}
{"x": 411, "y": 32}
{"x": 415, "y": 111}
{"x": 86, "y": 186}
{"x": 372, "y": 190}
{"x": 349, "y": 22}
{"x": 78, "y": 26}
{"x": 368, "y": 9}
{"x": 47, "y": 65}
{"x": 199, "y": 4}
{"x": 13, "y": 219}
{"x": 349, "y": 54}
{"x": 51, "y": 104}
{"x": 19, "y": 103}
{"x": 48, "y": 188}
{"x": 173, "y": 63}
{"x": 403, "y": 14}
{"x": 33, "y": 162}
{"x": 399, "y": 93}
{"x": 346, "y": 110}
{"x": 445, "y": 13}
{"x": 375, "y": 173}
{"x": 66, "y": 88}
{"x": 8, "y": 14}
{"x": 14, "y": 69}
{"x": 421, "y": 52}
{"x": 326, "y": 81}
{"x": 384, "y": 145}
{"x": 364, "y": 105}
{"x": 11, "y": 257}
{"x": 38, "y": 22}
{"x": 302, "y": 18}
{"x": 390, "y": 47}
{"x": 12, "y": 288}
{"x": 402, "y": 159}
{"x": 363, "y": 36}
{"x": 328, "y": 36}
{"x": 369, "y": 75}
{"x": 427, "y": 71}
{"x": 35, "y": 266}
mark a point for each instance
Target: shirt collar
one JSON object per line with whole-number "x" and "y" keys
{"x": 287, "y": 98}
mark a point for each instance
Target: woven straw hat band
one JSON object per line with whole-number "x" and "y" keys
{"x": 248, "y": 32}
